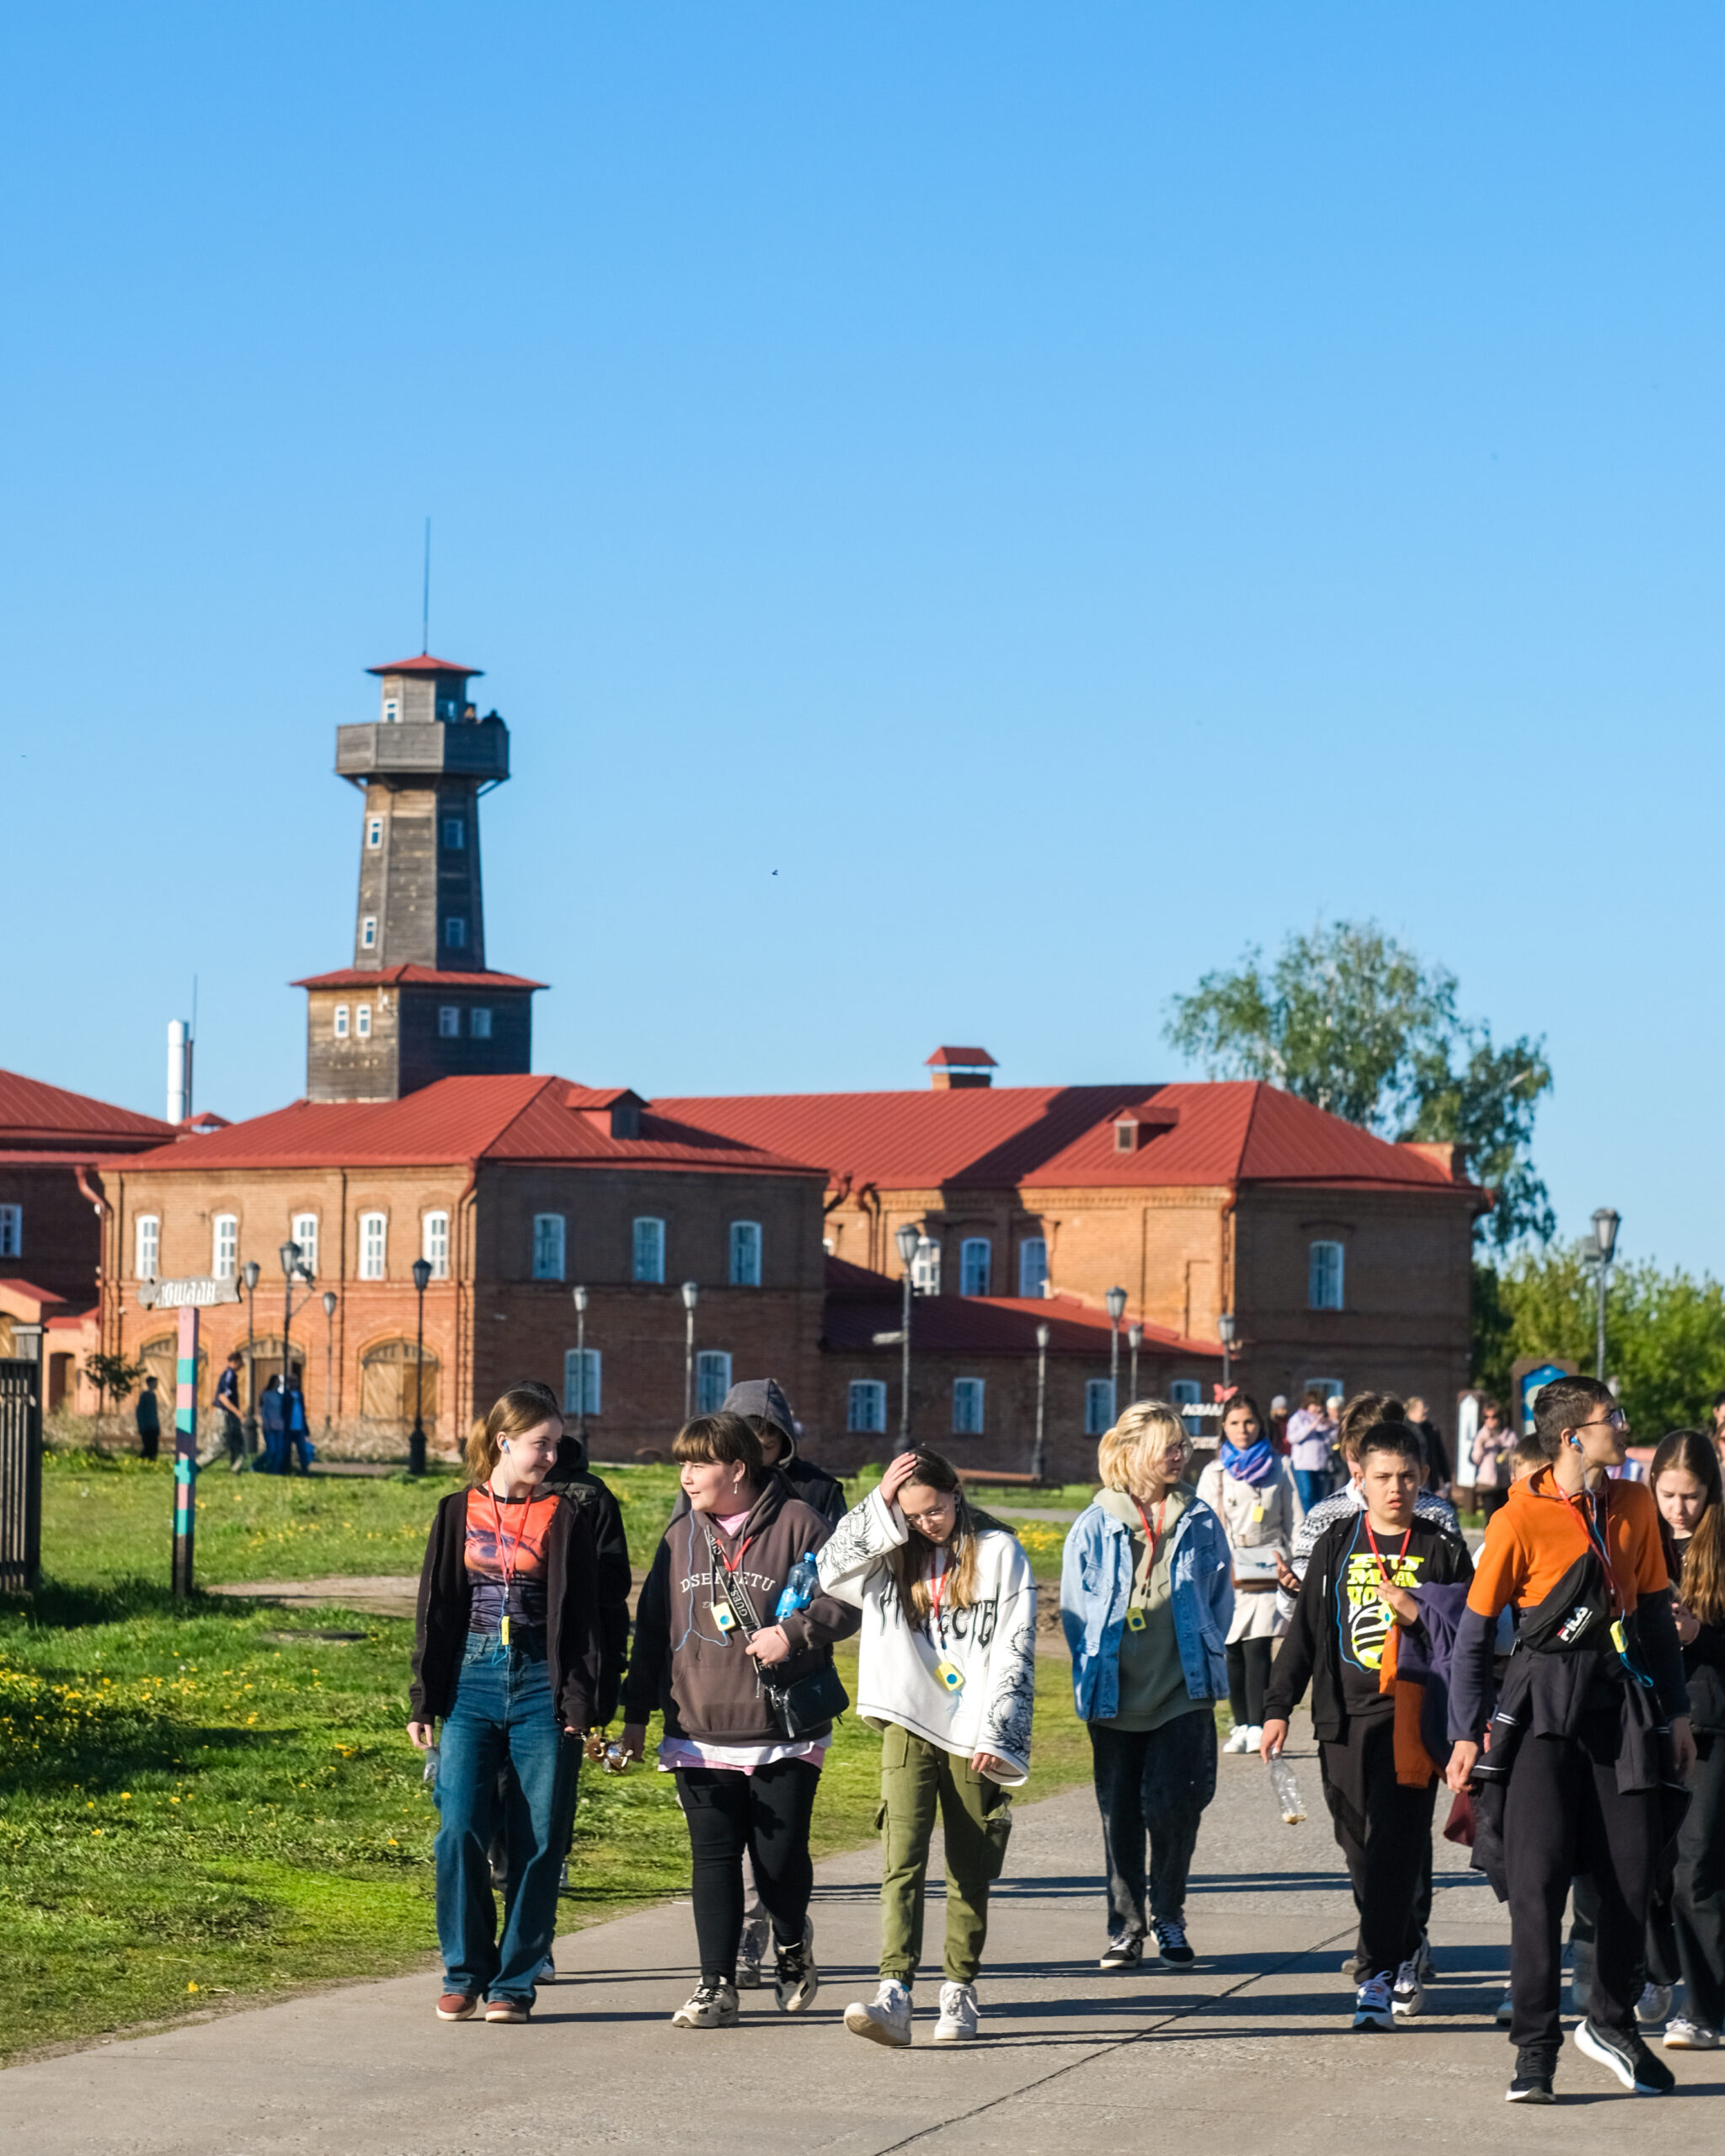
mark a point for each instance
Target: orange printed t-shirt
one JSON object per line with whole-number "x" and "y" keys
{"x": 1534, "y": 1539}
{"x": 524, "y": 1600}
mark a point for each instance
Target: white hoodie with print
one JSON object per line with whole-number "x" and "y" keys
{"x": 992, "y": 1643}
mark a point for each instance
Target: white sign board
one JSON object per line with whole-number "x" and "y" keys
{"x": 186, "y": 1295}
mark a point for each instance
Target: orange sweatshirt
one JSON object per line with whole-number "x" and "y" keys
{"x": 1533, "y": 1540}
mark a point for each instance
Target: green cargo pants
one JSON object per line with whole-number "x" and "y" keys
{"x": 915, "y": 1777}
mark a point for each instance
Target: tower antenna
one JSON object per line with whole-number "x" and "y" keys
{"x": 425, "y": 612}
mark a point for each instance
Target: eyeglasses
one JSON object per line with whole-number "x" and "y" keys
{"x": 1616, "y": 1420}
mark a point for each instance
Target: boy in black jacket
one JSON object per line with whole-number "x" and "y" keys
{"x": 1361, "y": 1592}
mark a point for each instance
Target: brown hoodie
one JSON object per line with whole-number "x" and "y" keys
{"x": 705, "y": 1684}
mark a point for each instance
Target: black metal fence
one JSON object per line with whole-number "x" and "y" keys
{"x": 20, "y": 1474}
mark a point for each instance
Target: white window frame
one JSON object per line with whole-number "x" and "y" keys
{"x": 572, "y": 1381}
{"x": 865, "y": 1408}
{"x": 434, "y": 1242}
{"x": 224, "y": 1247}
{"x": 745, "y": 1253}
{"x": 341, "y": 1021}
{"x": 975, "y": 1265}
{"x": 304, "y": 1231}
{"x": 368, "y": 932}
{"x": 550, "y": 1245}
{"x": 362, "y": 1021}
{"x": 146, "y": 1246}
{"x": 969, "y": 1406}
{"x": 455, "y": 834}
{"x": 392, "y": 711}
{"x": 479, "y": 1026}
{"x": 647, "y": 1252}
{"x": 713, "y": 1379}
{"x": 374, "y": 833}
{"x": 448, "y": 1022}
{"x": 455, "y": 932}
{"x": 374, "y": 1246}
{"x": 1033, "y": 1269}
{"x": 925, "y": 1268}
{"x": 1098, "y": 1406}
{"x": 1325, "y": 1275}
{"x": 11, "y": 1232}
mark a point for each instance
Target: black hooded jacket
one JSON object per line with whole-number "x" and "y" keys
{"x": 572, "y": 1478}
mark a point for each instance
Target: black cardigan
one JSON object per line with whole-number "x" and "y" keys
{"x": 574, "y": 1647}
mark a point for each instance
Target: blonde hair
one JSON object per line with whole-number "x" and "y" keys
{"x": 523, "y": 1408}
{"x": 1123, "y": 1449}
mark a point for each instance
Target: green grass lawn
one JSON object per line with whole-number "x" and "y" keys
{"x": 193, "y": 1812}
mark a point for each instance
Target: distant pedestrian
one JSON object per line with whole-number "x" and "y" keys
{"x": 1251, "y": 1489}
{"x": 1311, "y": 1440}
{"x": 1431, "y": 1439}
{"x": 147, "y": 1415}
{"x": 1493, "y": 1442}
{"x": 1276, "y": 1428}
{"x": 1146, "y": 1600}
{"x": 509, "y": 1653}
{"x": 296, "y": 1428}
{"x": 233, "y": 1430}
{"x": 269, "y": 1416}
{"x": 948, "y": 1670}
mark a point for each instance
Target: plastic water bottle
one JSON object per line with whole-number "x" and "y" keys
{"x": 799, "y": 1589}
{"x": 433, "y": 1752}
{"x": 1287, "y": 1790}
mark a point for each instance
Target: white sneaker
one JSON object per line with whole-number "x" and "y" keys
{"x": 1254, "y": 1737}
{"x": 547, "y": 1971}
{"x": 1239, "y": 1739}
{"x": 752, "y": 1949}
{"x": 958, "y": 2014}
{"x": 1654, "y": 2005}
{"x": 708, "y": 2006}
{"x": 1374, "y": 2004}
{"x": 1407, "y": 1994}
{"x": 1683, "y": 2035}
{"x": 886, "y": 2018}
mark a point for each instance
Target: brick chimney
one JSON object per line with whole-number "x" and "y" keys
{"x": 950, "y": 1068}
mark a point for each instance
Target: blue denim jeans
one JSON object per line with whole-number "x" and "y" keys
{"x": 1313, "y": 1484}
{"x": 503, "y": 1712}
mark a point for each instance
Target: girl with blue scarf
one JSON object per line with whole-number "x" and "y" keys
{"x": 1249, "y": 1487}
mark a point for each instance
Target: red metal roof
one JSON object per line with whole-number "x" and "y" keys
{"x": 33, "y": 1115}
{"x": 859, "y": 1304}
{"x": 411, "y": 977}
{"x": 961, "y": 1059}
{"x": 1042, "y": 1136}
{"x": 425, "y": 664}
{"x": 459, "y": 1120}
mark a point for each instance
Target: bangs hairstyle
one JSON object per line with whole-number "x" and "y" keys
{"x": 913, "y": 1563}
{"x": 727, "y": 1439}
{"x": 1390, "y": 1435}
{"x": 1565, "y": 1404}
{"x": 1246, "y": 1400}
{"x": 1702, "y": 1587}
{"x": 523, "y": 1408}
{"x": 1123, "y": 1451}
{"x": 1364, "y": 1412}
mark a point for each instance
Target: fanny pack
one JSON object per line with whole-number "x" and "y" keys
{"x": 807, "y": 1704}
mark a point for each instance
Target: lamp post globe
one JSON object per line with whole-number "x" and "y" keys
{"x": 1606, "y": 1225}
{"x": 416, "y": 1441}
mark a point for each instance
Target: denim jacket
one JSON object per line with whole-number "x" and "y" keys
{"x": 1096, "y": 1584}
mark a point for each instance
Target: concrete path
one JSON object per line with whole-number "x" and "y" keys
{"x": 1249, "y": 2051}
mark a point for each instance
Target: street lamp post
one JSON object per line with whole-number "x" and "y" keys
{"x": 416, "y": 1441}
{"x": 691, "y": 1295}
{"x": 1135, "y": 1341}
{"x": 329, "y": 1299}
{"x": 581, "y": 1296}
{"x": 250, "y": 1273}
{"x": 1116, "y": 1300}
{"x": 292, "y": 1262}
{"x": 909, "y": 1239}
{"x": 1606, "y": 1225}
{"x": 1227, "y": 1331}
{"x": 1038, "y": 1458}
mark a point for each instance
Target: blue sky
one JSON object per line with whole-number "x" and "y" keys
{"x": 1075, "y": 490}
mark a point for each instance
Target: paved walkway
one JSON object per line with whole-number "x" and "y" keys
{"x": 1249, "y": 2051}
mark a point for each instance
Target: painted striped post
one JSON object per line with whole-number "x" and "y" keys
{"x": 185, "y": 1450}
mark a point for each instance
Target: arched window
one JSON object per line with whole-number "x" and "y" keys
{"x": 867, "y": 1404}
{"x": 712, "y": 1380}
{"x": 224, "y": 1255}
{"x": 548, "y": 1245}
{"x": 745, "y": 1253}
{"x": 648, "y": 1253}
{"x": 967, "y": 1407}
{"x": 1033, "y": 1268}
{"x": 573, "y": 1373}
{"x": 1324, "y": 1277}
{"x": 434, "y": 1243}
{"x": 374, "y": 1245}
{"x": 1098, "y": 1406}
{"x": 148, "y": 1229}
{"x": 974, "y": 1257}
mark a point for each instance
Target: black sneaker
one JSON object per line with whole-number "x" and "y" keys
{"x": 1125, "y": 1952}
{"x": 1171, "y": 1938}
{"x": 1622, "y": 2052}
{"x": 798, "y": 1977}
{"x": 1535, "y": 2065}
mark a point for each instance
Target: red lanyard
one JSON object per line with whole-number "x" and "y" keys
{"x": 1598, "y": 1502}
{"x": 1154, "y": 1538}
{"x": 508, "y": 1559}
{"x": 1383, "y": 1576}
{"x": 731, "y": 1564}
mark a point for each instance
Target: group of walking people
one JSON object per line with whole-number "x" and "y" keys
{"x": 1568, "y": 1686}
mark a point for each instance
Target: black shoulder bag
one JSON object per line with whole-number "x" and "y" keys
{"x": 812, "y": 1701}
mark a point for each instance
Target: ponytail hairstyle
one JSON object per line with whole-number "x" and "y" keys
{"x": 1702, "y": 1587}
{"x": 523, "y": 1408}
{"x": 913, "y": 1563}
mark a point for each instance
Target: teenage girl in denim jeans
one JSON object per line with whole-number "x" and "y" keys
{"x": 508, "y": 1653}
